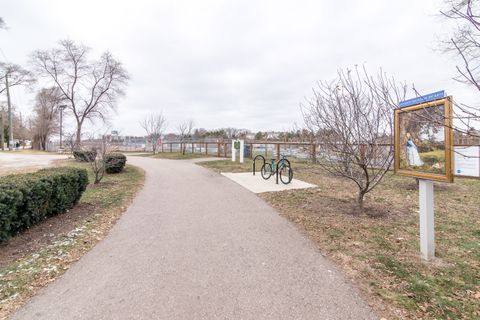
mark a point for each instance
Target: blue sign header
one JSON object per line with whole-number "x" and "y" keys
{"x": 422, "y": 99}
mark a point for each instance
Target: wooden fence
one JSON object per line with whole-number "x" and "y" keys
{"x": 301, "y": 150}
{"x": 224, "y": 149}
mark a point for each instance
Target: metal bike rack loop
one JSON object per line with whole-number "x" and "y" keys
{"x": 255, "y": 159}
{"x": 278, "y": 163}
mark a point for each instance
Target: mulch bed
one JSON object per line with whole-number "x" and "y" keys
{"x": 43, "y": 234}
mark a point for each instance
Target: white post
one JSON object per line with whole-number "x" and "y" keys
{"x": 241, "y": 151}
{"x": 427, "y": 225}
{"x": 233, "y": 150}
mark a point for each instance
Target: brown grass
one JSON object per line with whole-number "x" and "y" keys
{"x": 379, "y": 250}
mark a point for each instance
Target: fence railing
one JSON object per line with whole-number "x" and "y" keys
{"x": 304, "y": 150}
{"x": 223, "y": 149}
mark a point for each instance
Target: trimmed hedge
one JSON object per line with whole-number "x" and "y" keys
{"x": 115, "y": 162}
{"x": 26, "y": 199}
{"x": 85, "y": 156}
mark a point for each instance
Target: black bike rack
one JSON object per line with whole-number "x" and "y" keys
{"x": 278, "y": 163}
{"x": 255, "y": 159}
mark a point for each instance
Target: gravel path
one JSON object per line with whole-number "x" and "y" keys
{"x": 195, "y": 245}
{"x": 15, "y": 162}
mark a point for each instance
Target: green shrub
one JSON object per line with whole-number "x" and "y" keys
{"x": 26, "y": 199}
{"x": 85, "y": 156}
{"x": 115, "y": 162}
{"x": 433, "y": 157}
{"x": 430, "y": 159}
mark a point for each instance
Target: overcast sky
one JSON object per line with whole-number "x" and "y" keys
{"x": 245, "y": 64}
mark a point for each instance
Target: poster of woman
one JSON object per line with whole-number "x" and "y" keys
{"x": 413, "y": 157}
{"x": 423, "y": 140}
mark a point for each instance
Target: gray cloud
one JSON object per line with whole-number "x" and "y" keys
{"x": 235, "y": 63}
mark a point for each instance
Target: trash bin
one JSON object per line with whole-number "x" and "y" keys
{"x": 247, "y": 151}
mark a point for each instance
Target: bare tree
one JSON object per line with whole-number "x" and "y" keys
{"x": 231, "y": 133}
{"x": 98, "y": 164}
{"x": 20, "y": 129}
{"x": 96, "y": 152}
{"x": 12, "y": 75}
{"x": 352, "y": 118}
{"x": 69, "y": 142}
{"x": 154, "y": 125}
{"x": 200, "y": 133}
{"x": 90, "y": 87}
{"x": 45, "y": 112}
{"x": 465, "y": 44}
{"x": 16, "y": 76}
{"x": 185, "y": 130}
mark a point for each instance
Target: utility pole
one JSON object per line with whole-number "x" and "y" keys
{"x": 2, "y": 130}
{"x": 10, "y": 122}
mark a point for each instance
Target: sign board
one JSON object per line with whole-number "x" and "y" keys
{"x": 467, "y": 161}
{"x": 237, "y": 146}
{"x": 424, "y": 140}
{"x": 424, "y": 150}
{"x": 422, "y": 99}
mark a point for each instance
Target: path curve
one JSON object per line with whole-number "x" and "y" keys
{"x": 195, "y": 245}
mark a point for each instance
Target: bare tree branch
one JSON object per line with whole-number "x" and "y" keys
{"x": 91, "y": 87}
{"x": 45, "y": 121}
{"x": 17, "y": 76}
{"x": 465, "y": 44}
{"x": 154, "y": 125}
{"x": 352, "y": 120}
{"x": 185, "y": 130}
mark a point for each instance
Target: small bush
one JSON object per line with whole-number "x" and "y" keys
{"x": 85, "y": 156}
{"x": 26, "y": 199}
{"x": 115, "y": 162}
{"x": 431, "y": 159}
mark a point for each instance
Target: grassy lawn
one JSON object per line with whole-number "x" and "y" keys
{"x": 228, "y": 166}
{"x": 102, "y": 205}
{"x": 437, "y": 155}
{"x": 380, "y": 252}
{"x": 176, "y": 155}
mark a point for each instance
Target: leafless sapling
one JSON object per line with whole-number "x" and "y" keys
{"x": 154, "y": 125}
{"x": 184, "y": 131}
{"x": 352, "y": 120}
{"x": 98, "y": 151}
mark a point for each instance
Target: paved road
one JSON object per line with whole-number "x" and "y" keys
{"x": 195, "y": 245}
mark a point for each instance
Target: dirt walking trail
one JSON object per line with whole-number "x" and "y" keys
{"x": 195, "y": 245}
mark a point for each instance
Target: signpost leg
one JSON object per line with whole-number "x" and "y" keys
{"x": 241, "y": 151}
{"x": 427, "y": 226}
{"x": 233, "y": 151}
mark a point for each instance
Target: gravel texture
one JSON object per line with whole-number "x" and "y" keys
{"x": 195, "y": 245}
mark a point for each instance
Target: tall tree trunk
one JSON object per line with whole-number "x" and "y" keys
{"x": 43, "y": 142}
{"x": 78, "y": 136}
{"x": 361, "y": 195}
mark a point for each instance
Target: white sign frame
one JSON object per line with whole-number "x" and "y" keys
{"x": 241, "y": 151}
{"x": 467, "y": 161}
